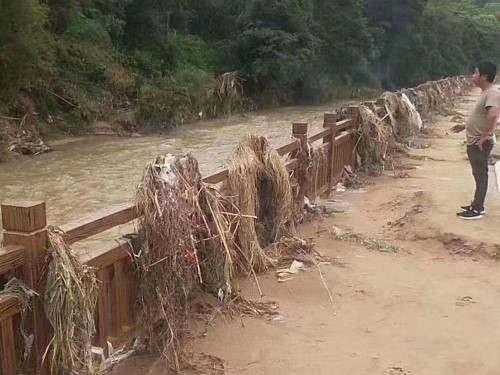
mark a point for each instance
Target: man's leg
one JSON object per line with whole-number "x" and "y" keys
{"x": 479, "y": 162}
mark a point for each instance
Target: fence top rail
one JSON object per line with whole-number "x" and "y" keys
{"x": 320, "y": 135}
{"x": 107, "y": 257}
{"x": 11, "y": 257}
{"x": 344, "y": 124}
{"x": 99, "y": 222}
{"x": 289, "y": 147}
{"x": 344, "y": 136}
{"x": 217, "y": 178}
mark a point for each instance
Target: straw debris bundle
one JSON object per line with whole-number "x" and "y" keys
{"x": 317, "y": 159}
{"x": 422, "y": 102}
{"x": 391, "y": 100}
{"x": 15, "y": 287}
{"x": 260, "y": 184}
{"x": 69, "y": 301}
{"x": 290, "y": 249}
{"x": 227, "y": 96}
{"x": 405, "y": 111}
{"x": 187, "y": 242}
{"x": 409, "y": 121}
{"x": 374, "y": 140}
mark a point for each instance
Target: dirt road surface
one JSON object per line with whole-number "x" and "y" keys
{"x": 429, "y": 308}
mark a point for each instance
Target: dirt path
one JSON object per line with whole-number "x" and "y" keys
{"x": 431, "y": 308}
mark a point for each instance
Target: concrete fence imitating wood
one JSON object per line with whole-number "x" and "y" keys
{"x": 24, "y": 254}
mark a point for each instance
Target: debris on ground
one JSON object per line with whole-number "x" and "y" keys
{"x": 457, "y": 245}
{"x": 401, "y": 174}
{"x": 322, "y": 208}
{"x": 397, "y": 371}
{"x": 464, "y": 301}
{"x": 187, "y": 241}
{"x": 286, "y": 274}
{"x": 295, "y": 249}
{"x": 340, "y": 188}
{"x": 27, "y": 143}
{"x": 208, "y": 309}
{"x": 409, "y": 215}
{"x": 201, "y": 363}
{"x": 369, "y": 243}
{"x": 116, "y": 356}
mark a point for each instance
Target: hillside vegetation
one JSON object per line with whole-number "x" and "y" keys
{"x": 67, "y": 64}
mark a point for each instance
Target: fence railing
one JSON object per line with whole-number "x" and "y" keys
{"x": 25, "y": 243}
{"x": 25, "y": 239}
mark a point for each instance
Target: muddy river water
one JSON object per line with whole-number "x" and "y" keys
{"x": 79, "y": 178}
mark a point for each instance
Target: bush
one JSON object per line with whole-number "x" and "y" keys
{"x": 80, "y": 28}
{"x": 171, "y": 53}
{"x": 25, "y": 45}
{"x": 174, "y": 100}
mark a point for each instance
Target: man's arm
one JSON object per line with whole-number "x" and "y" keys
{"x": 491, "y": 123}
{"x": 493, "y": 113}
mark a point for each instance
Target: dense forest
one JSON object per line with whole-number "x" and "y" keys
{"x": 69, "y": 63}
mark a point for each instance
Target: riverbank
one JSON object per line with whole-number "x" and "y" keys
{"x": 29, "y": 135}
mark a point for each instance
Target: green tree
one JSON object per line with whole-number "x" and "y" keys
{"x": 346, "y": 42}
{"x": 392, "y": 23}
{"x": 25, "y": 44}
{"x": 276, "y": 45}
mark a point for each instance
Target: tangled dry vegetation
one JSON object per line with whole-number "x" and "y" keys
{"x": 404, "y": 113}
{"x": 69, "y": 302}
{"x": 195, "y": 236}
{"x": 16, "y": 288}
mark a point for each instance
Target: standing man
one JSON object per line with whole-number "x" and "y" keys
{"x": 480, "y": 134}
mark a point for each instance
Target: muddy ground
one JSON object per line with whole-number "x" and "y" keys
{"x": 425, "y": 300}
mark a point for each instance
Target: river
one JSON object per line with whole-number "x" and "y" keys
{"x": 79, "y": 178}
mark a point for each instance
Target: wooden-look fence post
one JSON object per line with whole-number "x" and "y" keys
{"x": 300, "y": 132}
{"x": 25, "y": 224}
{"x": 330, "y": 121}
{"x": 353, "y": 111}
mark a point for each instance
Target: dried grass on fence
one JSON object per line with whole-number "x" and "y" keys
{"x": 16, "y": 288}
{"x": 317, "y": 161}
{"x": 391, "y": 100}
{"x": 260, "y": 184}
{"x": 409, "y": 121}
{"x": 187, "y": 241}
{"x": 70, "y": 301}
{"x": 374, "y": 139}
{"x": 219, "y": 257}
{"x": 423, "y": 105}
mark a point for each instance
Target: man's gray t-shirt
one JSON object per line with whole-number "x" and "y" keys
{"x": 478, "y": 118}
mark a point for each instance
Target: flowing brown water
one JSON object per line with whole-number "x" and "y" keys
{"x": 79, "y": 178}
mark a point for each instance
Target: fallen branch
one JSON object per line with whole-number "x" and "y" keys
{"x": 11, "y": 118}
{"x": 60, "y": 97}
